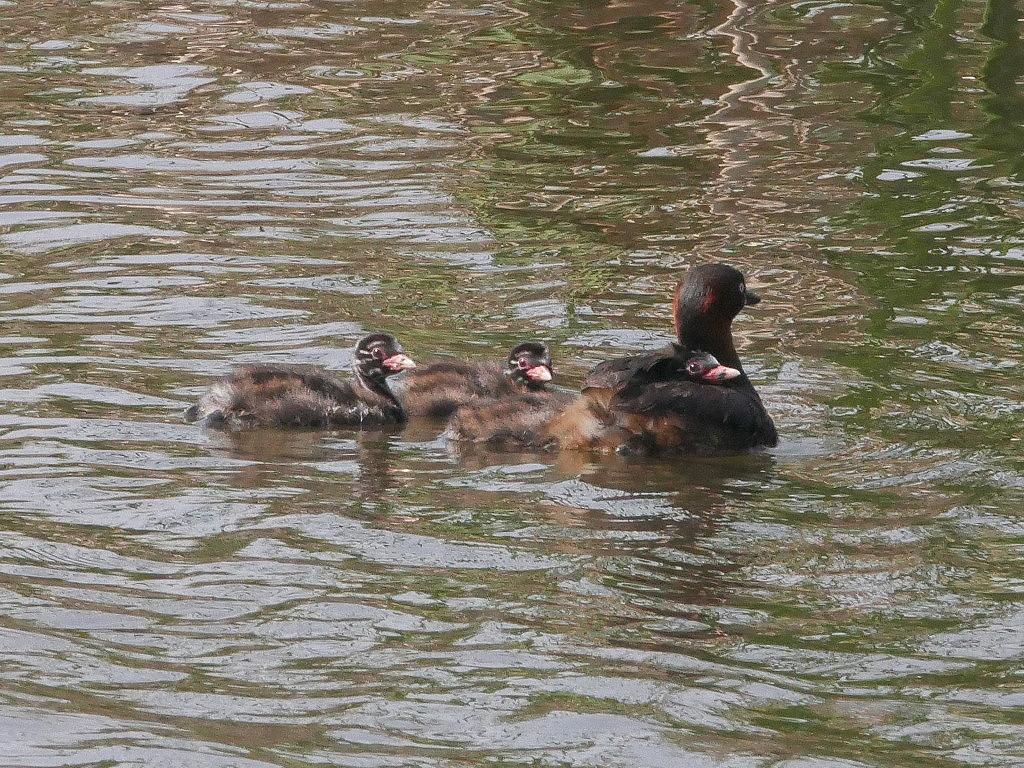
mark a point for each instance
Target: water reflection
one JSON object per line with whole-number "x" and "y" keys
{"x": 183, "y": 189}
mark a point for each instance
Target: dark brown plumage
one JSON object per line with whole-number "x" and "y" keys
{"x": 268, "y": 395}
{"x": 651, "y": 402}
{"x": 550, "y": 419}
{"x": 519, "y": 422}
{"x": 437, "y": 389}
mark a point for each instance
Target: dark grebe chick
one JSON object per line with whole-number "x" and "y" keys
{"x": 547, "y": 419}
{"x": 436, "y": 390}
{"x": 702, "y": 366}
{"x": 269, "y": 395}
{"x": 516, "y": 419}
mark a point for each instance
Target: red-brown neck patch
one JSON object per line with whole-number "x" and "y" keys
{"x": 677, "y": 321}
{"x": 709, "y": 301}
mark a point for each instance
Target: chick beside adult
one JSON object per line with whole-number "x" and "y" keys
{"x": 438, "y": 388}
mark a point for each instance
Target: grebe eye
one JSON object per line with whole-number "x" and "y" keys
{"x": 523, "y": 363}
{"x": 378, "y": 353}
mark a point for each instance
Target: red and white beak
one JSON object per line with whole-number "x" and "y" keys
{"x": 538, "y": 373}
{"x": 720, "y": 373}
{"x": 398, "y": 363}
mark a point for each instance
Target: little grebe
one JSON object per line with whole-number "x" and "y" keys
{"x": 437, "y": 389}
{"x": 656, "y": 407}
{"x": 271, "y": 395}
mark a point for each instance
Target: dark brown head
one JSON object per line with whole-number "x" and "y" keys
{"x": 702, "y": 367}
{"x": 378, "y": 356}
{"x": 706, "y": 301}
{"x": 530, "y": 364}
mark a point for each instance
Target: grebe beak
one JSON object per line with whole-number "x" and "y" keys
{"x": 539, "y": 373}
{"x": 398, "y": 363}
{"x": 720, "y": 373}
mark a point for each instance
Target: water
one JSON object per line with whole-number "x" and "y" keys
{"x": 183, "y": 187}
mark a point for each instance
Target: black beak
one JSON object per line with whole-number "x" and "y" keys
{"x": 750, "y": 298}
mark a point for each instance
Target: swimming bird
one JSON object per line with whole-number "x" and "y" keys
{"x": 648, "y": 403}
{"x": 438, "y": 388}
{"x": 272, "y": 395}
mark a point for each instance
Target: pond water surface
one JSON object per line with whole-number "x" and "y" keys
{"x": 186, "y": 186}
